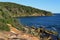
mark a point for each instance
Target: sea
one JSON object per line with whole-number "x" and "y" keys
{"x": 49, "y": 22}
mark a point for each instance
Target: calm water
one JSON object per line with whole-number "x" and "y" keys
{"x": 50, "y": 22}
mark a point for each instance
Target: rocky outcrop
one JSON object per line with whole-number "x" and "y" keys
{"x": 16, "y": 34}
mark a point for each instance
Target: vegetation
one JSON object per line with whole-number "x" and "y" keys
{"x": 6, "y": 18}
{"x": 17, "y": 10}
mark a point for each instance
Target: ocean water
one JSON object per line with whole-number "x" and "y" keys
{"x": 49, "y": 22}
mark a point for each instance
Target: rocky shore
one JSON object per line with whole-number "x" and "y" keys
{"x": 29, "y": 33}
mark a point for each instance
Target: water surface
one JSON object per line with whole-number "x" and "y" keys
{"x": 50, "y": 22}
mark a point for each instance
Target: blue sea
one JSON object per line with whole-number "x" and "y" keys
{"x": 49, "y": 22}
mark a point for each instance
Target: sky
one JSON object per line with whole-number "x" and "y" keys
{"x": 49, "y": 5}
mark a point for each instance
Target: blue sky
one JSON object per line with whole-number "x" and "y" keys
{"x": 49, "y": 5}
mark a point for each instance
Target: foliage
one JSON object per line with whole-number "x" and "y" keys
{"x": 6, "y": 18}
{"x": 17, "y": 10}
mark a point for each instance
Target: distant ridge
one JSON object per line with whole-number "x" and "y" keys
{"x": 17, "y": 10}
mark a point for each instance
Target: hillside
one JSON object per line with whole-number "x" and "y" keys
{"x": 5, "y": 17}
{"x": 17, "y": 10}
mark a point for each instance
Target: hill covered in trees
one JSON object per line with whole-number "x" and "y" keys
{"x": 17, "y": 10}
